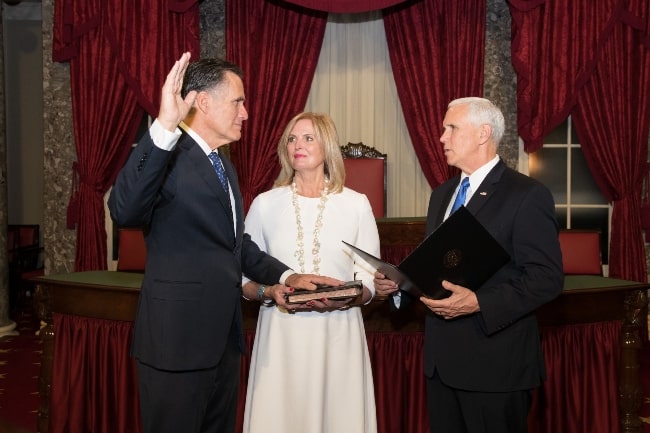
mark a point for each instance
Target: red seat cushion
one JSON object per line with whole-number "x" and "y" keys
{"x": 366, "y": 175}
{"x": 581, "y": 252}
{"x": 132, "y": 252}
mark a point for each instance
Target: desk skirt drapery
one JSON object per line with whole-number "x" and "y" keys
{"x": 94, "y": 384}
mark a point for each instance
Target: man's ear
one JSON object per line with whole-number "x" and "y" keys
{"x": 485, "y": 133}
{"x": 201, "y": 101}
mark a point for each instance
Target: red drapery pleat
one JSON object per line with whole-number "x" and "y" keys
{"x": 645, "y": 202}
{"x": 94, "y": 386}
{"x": 398, "y": 375}
{"x": 100, "y": 131}
{"x": 395, "y": 254}
{"x": 593, "y": 58}
{"x": 581, "y": 390}
{"x": 554, "y": 51}
{"x": 449, "y": 43}
{"x": 94, "y": 382}
{"x": 612, "y": 119}
{"x": 119, "y": 54}
{"x": 277, "y": 46}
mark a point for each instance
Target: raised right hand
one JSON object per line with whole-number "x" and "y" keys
{"x": 173, "y": 108}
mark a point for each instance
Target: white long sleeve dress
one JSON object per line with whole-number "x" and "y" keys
{"x": 310, "y": 371}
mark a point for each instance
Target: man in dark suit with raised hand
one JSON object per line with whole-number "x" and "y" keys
{"x": 482, "y": 352}
{"x": 176, "y": 184}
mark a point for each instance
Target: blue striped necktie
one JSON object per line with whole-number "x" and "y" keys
{"x": 218, "y": 168}
{"x": 460, "y": 197}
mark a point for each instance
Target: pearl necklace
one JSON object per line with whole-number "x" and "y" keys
{"x": 300, "y": 252}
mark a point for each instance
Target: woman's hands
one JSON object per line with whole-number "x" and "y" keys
{"x": 277, "y": 294}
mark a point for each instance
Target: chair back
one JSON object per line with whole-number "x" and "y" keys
{"x": 365, "y": 172}
{"x": 26, "y": 235}
{"x": 581, "y": 252}
{"x": 132, "y": 250}
{"x": 23, "y": 245}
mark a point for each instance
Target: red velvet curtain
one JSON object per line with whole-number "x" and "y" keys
{"x": 592, "y": 58}
{"x": 277, "y": 45}
{"x": 645, "y": 202}
{"x": 554, "y": 51}
{"x": 614, "y": 108}
{"x": 437, "y": 54}
{"x": 119, "y": 54}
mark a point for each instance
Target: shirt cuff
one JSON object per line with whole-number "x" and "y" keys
{"x": 285, "y": 275}
{"x": 397, "y": 299}
{"x": 162, "y": 138}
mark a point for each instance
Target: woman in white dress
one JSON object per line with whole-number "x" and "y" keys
{"x": 310, "y": 369}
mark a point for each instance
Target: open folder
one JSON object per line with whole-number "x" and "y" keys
{"x": 460, "y": 250}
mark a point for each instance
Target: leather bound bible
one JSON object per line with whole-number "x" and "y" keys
{"x": 350, "y": 289}
{"x": 460, "y": 250}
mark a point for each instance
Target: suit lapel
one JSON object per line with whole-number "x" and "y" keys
{"x": 447, "y": 197}
{"x": 234, "y": 185}
{"x": 206, "y": 171}
{"x": 486, "y": 188}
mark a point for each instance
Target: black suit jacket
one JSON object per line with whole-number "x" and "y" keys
{"x": 189, "y": 304}
{"x": 498, "y": 348}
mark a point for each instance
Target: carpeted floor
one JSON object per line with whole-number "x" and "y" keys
{"x": 20, "y": 360}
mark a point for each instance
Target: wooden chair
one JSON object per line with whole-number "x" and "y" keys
{"x": 365, "y": 172}
{"x": 581, "y": 253}
{"x": 132, "y": 250}
{"x": 25, "y": 260}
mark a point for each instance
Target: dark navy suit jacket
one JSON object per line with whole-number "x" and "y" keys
{"x": 498, "y": 348}
{"x": 189, "y": 306}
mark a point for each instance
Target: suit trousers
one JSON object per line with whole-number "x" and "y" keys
{"x": 196, "y": 401}
{"x": 457, "y": 411}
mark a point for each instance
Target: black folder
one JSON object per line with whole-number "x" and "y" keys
{"x": 460, "y": 250}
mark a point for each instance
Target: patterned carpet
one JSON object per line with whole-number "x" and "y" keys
{"x": 20, "y": 358}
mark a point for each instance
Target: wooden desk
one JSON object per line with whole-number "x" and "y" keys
{"x": 101, "y": 295}
{"x": 399, "y": 236}
{"x": 113, "y": 296}
{"x": 401, "y": 231}
{"x": 590, "y": 299}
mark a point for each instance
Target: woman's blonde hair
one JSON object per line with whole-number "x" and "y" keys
{"x": 325, "y": 134}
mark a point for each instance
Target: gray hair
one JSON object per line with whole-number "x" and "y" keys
{"x": 482, "y": 111}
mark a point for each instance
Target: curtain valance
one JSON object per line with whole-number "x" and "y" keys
{"x": 346, "y": 6}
